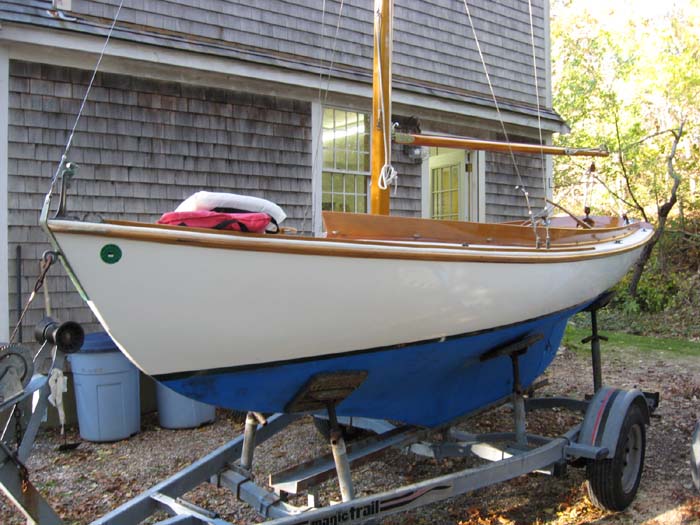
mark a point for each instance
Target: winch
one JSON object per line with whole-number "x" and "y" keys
{"x": 16, "y": 370}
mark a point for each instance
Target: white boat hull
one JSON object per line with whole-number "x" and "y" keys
{"x": 181, "y": 305}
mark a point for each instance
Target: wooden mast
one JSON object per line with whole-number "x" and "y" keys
{"x": 381, "y": 102}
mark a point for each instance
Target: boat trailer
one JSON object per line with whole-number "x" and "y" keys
{"x": 610, "y": 442}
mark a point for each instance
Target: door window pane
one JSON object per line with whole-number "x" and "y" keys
{"x": 444, "y": 189}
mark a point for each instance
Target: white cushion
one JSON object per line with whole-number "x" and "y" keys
{"x": 207, "y": 200}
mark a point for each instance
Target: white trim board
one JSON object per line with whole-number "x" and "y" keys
{"x": 4, "y": 240}
{"x": 316, "y": 162}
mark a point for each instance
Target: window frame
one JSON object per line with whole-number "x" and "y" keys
{"x": 317, "y": 109}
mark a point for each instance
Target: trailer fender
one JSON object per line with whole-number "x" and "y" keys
{"x": 605, "y": 414}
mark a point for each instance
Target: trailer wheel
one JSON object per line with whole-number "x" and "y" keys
{"x": 612, "y": 483}
{"x": 695, "y": 456}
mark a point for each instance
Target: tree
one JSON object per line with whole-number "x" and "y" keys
{"x": 663, "y": 212}
{"x": 627, "y": 75}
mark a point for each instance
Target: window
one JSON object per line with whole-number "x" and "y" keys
{"x": 345, "y": 174}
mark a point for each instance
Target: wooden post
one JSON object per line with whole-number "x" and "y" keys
{"x": 381, "y": 102}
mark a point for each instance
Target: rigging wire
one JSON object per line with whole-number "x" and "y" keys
{"x": 320, "y": 60}
{"x": 545, "y": 212}
{"x": 323, "y": 94}
{"x": 333, "y": 49}
{"x": 537, "y": 99}
{"x": 521, "y": 184}
{"x": 64, "y": 157}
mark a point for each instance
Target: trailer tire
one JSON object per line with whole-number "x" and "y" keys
{"x": 612, "y": 483}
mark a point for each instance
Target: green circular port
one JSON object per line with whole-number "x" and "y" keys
{"x": 111, "y": 253}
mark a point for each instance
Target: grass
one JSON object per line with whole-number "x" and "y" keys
{"x": 666, "y": 346}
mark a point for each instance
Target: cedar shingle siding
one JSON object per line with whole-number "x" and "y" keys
{"x": 504, "y": 196}
{"x": 144, "y": 144}
{"x": 421, "y": 30}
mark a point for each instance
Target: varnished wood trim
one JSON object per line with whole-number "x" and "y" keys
{"x": 301, "y": 246}
{"x": 361, "y": 242}
{"x": 351, "y": 226}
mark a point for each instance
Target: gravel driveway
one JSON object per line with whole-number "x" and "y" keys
{"x": 93, "y": 479}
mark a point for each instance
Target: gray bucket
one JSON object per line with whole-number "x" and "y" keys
{"x": 106, "y": 390}
{"x": 178, "y": 411}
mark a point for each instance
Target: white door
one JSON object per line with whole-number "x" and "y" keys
{"x": 453, "y": 185}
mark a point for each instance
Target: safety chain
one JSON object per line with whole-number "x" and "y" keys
{"x": 21, "y": 467}
{"x": 23, "y": 472}
{"x": 17, "y": 413}
{"x": 13, "y": 455}
{"x": 47, "y": 260}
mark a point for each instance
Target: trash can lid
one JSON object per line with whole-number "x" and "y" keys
{"x": 98, "y": 342}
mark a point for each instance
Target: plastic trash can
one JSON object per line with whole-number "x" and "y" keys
{"x": 106, "y": 390}
{"x": 178, "y": 411}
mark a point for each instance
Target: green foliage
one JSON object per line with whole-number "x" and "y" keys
{"x": 660, "y": 346}
{"x": 625, "y": 75}
{"x": 656, "y": 292}
{"x": 681, "y": 244}
{"x": 671, "y": 280}
{"x": 668, "y": 299}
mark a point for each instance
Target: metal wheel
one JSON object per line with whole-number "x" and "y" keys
{"x": 695, "y": 456}
{"x": 613, "y": 483}
{"x": 16, "y": 369}
{"x": 632, "y": 466}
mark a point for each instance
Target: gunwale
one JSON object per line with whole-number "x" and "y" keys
{"x": 340, "y": 247}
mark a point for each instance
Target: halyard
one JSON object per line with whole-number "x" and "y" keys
{"x": 88, "y": 482}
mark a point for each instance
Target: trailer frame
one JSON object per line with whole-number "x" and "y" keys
{"x": 602, "y": 433}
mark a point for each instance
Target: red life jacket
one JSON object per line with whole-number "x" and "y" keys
{"x": 244, "y": 222}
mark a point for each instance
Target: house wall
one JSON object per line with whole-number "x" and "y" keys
{"x": 505, "y": 199}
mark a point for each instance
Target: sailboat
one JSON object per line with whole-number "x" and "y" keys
{"x": 383, "y": 317}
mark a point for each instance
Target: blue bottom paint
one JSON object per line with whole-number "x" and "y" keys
{"x": 424, "y": 384}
